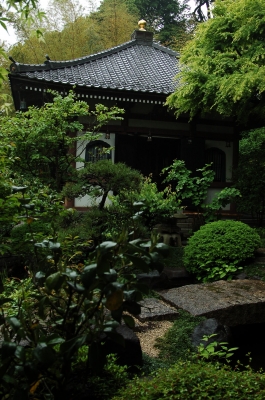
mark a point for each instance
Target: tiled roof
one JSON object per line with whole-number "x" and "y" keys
{"x": 138, "y": 65}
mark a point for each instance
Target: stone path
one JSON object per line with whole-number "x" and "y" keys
{"x": 154, "y": 310}
{"x": 238, "y": 302}
{"x": 233, "y": 303}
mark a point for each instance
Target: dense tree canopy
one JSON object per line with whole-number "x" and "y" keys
{"x": 223, "y": 68}
{"x": 74, "y": 32}
{"x": 170, "y": 20}
{"x": 22, "y": 9}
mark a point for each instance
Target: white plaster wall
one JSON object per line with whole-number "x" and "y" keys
{"x": 87, "y": 201}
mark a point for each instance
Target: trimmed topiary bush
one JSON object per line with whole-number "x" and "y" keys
{"x": 200, "y": 380}
{"x": 218, "y": 249}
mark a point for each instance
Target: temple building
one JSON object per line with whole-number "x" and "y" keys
{"x": 137, "y": 76}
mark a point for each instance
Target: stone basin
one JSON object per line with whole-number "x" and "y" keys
{"x": 237, "y": 302}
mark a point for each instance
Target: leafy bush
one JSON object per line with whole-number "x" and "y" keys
{"x": 218, "y": 249}
{"x": 200, "y": 380}
{"x": 212, "y": 211}
{"x": 157, "y": 206}
{"x": 98, "y": 179}
{"x": 186, "y": 186}
{"x": 72, "y": 306}
{"x": 112, "y": 379}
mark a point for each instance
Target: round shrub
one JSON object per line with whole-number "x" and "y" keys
{"x": 218, "y": 249}
{"x": 189, "y": 380}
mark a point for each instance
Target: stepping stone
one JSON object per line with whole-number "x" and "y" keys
{"x": 231, "y": 302}
{"x": 155, "y": 310}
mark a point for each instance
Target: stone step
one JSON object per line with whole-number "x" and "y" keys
{"x": 237, "y": 302}
{"x": 155, "y": 310}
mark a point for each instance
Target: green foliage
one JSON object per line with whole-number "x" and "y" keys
{"x": 20, "y": 205}
{"x": 189, "y": 380}
{"x": 44, "y": 137}
{"x": 175, "y": 258}
{"x": 255, "y": 271}
{"x": 218, "y": 249}
{"x": 187, "y": 186}
{"x": 156, "y": 206}
{"x": 71, "y": 31}
{"x": 176, "y": 344}
{"x": 220, "y": 200}
{"x": 247, "y": 180}
{"x": 113, "y": 378}
{"x": 20, "y": 294}
{"x": 99, "y": 178}
{"x": 223, "y": 66}
{"x": 214, "y": 351}
{"x": 71, "y": 306}
{"x": 152, "y": 364}
{"x": 168, "y": 19}
{"x": 23, "y": 10}
{"x": 9, "y": 199}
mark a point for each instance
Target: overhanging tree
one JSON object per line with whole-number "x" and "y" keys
{"x": 223, "y": 67}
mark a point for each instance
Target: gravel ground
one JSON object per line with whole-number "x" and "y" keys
{"x": 148, "y": 332}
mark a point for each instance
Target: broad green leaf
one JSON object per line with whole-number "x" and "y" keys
{"x": 20, "y": 189}
{"x": 88, "y": 275}
{"x": 76, "y": 287}
{"x": 15, "y": 323}
{"x": 40, "y": 275}
{"x": 44, "y": 354}
{"x": 129, "y": 321}
{"x": 54, "y": 281}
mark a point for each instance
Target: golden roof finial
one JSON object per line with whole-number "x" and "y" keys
{"x": 142, "y": 25}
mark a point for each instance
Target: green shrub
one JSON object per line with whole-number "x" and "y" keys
{"x": 218, "y": 249}
{"x": 200, "y": 380}
{"x": 72, "y": 306}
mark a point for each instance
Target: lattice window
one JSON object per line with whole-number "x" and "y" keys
{"x": 218, "y": 159}
{"x": 95, "y": 151}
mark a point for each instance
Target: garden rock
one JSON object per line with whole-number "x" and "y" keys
{"x": 131, "y": 353}
{"x": 167, "y": 279}
{"x": 175, "y": 277}
{"x": 231, "y": 302}
{"x": 211, "y": 326}
{"x": 151, "y": 279}
{"x": 154, "y": 310}
{"x": 242, "y": 275}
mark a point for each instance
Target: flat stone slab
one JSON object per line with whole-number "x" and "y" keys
{"x": 155, "y": 310}
{"x": 237, "y": 302}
